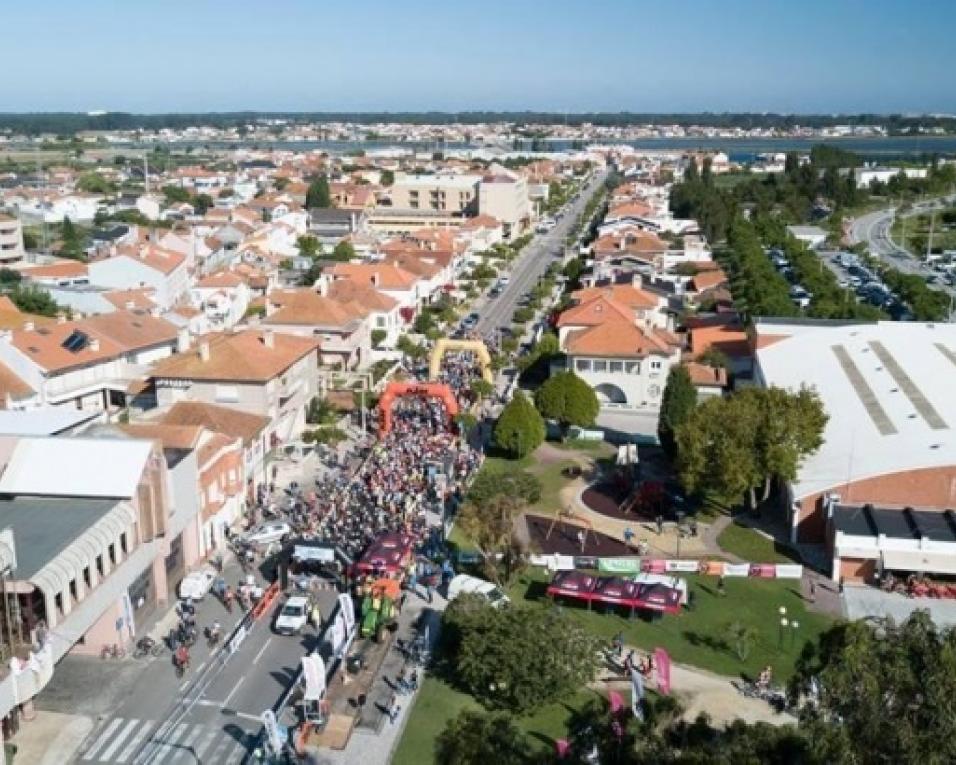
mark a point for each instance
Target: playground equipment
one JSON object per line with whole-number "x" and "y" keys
{"x": 379, "y": 610}
{"x": 445, "y": 345}
{"x": 567, "y": 515}
{"x": 396, "y": 390}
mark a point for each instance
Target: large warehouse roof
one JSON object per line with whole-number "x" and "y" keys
{"x": 888, "y": 388}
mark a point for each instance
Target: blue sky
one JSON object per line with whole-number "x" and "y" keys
{"x": 559, "y": 55}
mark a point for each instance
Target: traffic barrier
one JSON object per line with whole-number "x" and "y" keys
{"x": 266, "y": 601}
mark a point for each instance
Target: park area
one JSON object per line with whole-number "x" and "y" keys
{"x": 730, "y": 631}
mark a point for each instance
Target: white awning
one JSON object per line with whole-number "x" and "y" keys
{"x": 920, "y": 560}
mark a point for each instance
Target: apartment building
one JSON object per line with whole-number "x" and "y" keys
{"x": 503, "y": 195}
{"x": 11, "y": 239}
{"x": 439, "y": 192}
{"x": 146, "y": 265}
{"x": 262, "y": 372}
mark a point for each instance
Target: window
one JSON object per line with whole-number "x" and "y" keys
{"x": 655, "y": 365}
{"x": 73, "y": 591}
{"x": 654, "y": 391}
{"x": 632, "y": 367}
{"x": 227, "y": 393}
{"x": 123, "y": 545}
{"x": 99, "y": 565}
{"x": 582, "y": 365}
{"x": 600, "y": 365}
{"x": 87, "y": 578}
{"x": 58, "y": 603}
{"x": 616, "y": 367}
{"x": 379, "y": 321}
{"x": 112, "y": 554}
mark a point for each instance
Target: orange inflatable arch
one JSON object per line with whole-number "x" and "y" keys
{"x": 396, "y": 390}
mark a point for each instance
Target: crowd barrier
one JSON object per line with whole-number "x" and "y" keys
{"x": 633, "y": 565}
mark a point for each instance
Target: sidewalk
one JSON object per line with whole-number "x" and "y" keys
{"x": 375, "y": 745}
{"x": 50, "y": 738}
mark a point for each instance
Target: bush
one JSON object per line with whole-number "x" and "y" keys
{"x": 567, "y": 398}
{"x": 519, "y": 429}
{"x": 378, "y": 337}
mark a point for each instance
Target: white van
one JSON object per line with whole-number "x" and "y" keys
{"x": 465, "y": 583}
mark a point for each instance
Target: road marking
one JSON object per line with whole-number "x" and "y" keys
{"x": 103, "y": 738}
{"x": 118, "y": 741}
{"x": 135, "y": 741}
{"x": 234, "y": 689}
{"x": 199, "y": 668}
{"x": 201, "y": 749}
{"x": 261, "y": 651}
{"x": 220, "y": 750}
{"x": 183, "y": 685}
{"x": 186, "y": 749}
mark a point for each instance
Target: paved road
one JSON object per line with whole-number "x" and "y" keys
{"x": 533, "y": 262}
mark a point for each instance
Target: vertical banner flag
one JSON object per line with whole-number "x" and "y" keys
{"x": 663, "y": 662}
{"x": 314, "y": 670}
{"x": 637, "y": 694}
{"x": 617, "y": 703}
{"x": 345, "y": 603}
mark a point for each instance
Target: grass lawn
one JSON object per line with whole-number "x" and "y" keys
{"x": 438, "y": 702}
{"x": 754, "y": 547}
{"x": 697, "y": 637}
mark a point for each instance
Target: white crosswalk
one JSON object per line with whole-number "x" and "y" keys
{"x": 120, "y": 739}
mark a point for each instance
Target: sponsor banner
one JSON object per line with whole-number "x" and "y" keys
{"x": 619, "y": 565}
{"x": 711, "y": 567}
{"x": 663, "y": 662}
{"x": 271, "y": 727}
{"x": 736, "y": 569}
{"x": 789, "y": 571}
{"x": 313, "y": 669}
{"x": 539, "y": 560}
{"x": 345, "y": 604}
{"x": 653, "y": 566}
{"x": 588, "y": 562}
{"x": 307, "y": 552}
{"x": 763, "y": 570}
{"x": 637, "y": 694}
{"x": 561, "y": 563}
{"x": 688, "y": 566}
{"x": 338, "y": 633}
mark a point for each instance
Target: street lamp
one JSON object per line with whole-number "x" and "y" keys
{"x": 793, "y": 632}
{"x": 783, "y": 627}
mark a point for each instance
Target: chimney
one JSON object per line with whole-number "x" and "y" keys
{"x": 270, "y": 307}
{"x": 322, "y": 285}
{"x": 269, "y": 339}
{"x": 28, "y": 326}
{"x": 94, "y": 344}
{"x": 376, "y": 279}
{"x": 636, "y": 281}
{"x": 182, "y": 340}
{"x": 61, "y": 318}
{"x": 130, "y": 305}
{"x": 204, "y": 350}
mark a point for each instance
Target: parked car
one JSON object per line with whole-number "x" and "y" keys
{"x": 490, "y": 592}
{"x": 268, "y": 533}
{"x": 469, "y": 321}
{"x": 293, "y": 615}
{"x": 196, "y": 585}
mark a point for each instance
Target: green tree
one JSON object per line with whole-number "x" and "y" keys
{"x": 490, "y": 525}
{"x": 518, "y": 659}
{"x": 519, "y": 429}
{"x": 886, "y": 692}
{"x": 176, "y": 194}
{"x": 387, "y": 178}
{"x": 94, "y": 183}
{"x": 519, "y": 484}
{"x": 567, "y": 398}
{"x": 201, "y": 203}
{"x": 309, "y": 246}
{"x": 481, "y": 388}
{"x": 678, "y": 401}
{"x": 318, "y": 194}
{"x": 71, "y": 240}
{"x": 378, "y": 337}
{"x": 479, "y": 738}
{"x": 343, "y": 252}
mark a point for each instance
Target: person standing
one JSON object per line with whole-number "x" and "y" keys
{"x": 660, "y": 524}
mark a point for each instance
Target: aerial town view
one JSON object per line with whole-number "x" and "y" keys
{"x": 513, "y": 384}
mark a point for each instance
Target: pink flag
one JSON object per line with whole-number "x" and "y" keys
{"x": 617, "y": 702}
{"x": 663, "y": 662}
{"x": 563, "y": 747}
